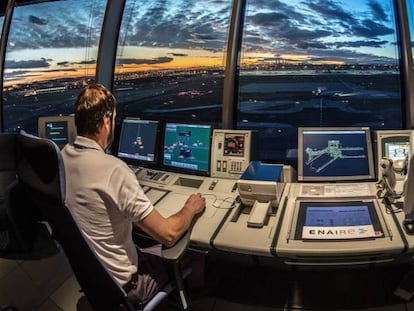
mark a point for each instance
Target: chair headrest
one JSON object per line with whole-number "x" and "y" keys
{"x": 40, "y": 166}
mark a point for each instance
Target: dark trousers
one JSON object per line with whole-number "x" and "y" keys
{"x": 153, "y": 273}
{"x": 151, "y": 276}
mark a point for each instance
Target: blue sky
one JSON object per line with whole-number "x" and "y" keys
{"x": 323, "y": 30}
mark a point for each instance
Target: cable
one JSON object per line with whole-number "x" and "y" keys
{"x": 217, "y": 204}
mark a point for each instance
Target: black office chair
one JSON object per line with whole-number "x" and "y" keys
{"x": 40, "y": 170}
{"x": 19, "y": 225}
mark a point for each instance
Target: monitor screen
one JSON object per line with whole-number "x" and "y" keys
{"x": 395, "y": 146}
{"x": 138, "y": 141}
{"x": 234, "y": 144}
{"x": 187, "y": 147}
{"x": 335, "y": 154}
{"x": 397, "y": 150}
{"x": 337, "y": 220}
{"x": 60, "y": 129}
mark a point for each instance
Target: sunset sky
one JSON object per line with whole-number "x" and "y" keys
{"x": 60, "y": 38}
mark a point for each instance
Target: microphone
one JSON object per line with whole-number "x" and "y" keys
{"x": 388, "y": 175}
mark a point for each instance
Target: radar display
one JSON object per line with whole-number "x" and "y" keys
{"x": 320, "y": 159}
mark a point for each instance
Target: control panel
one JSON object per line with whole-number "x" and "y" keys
{"x": 232, "y": 151}
{"x": 158, "y": 177}
{"x": 394, "y": 145}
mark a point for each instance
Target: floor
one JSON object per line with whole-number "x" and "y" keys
{"x": 233, "y": 282}
{"x": 41, "y": 280}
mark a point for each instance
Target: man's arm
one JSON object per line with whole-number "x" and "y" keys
{"x": 168, "y": 230}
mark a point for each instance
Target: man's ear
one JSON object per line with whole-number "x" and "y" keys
{"x": 107, "y": 121}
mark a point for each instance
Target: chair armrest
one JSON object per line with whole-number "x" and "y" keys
{"x": 7, "y": 183}
{"x": 5, "y": 195}
{"x": 11, "y": 185}
{"x": 175, "y": 252}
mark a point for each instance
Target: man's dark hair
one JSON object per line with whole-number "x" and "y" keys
{"x": 93, "y": 103}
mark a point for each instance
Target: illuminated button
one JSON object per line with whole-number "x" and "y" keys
{"x": 213, "y": 184}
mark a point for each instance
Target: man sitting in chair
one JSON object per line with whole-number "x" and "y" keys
{"x": 106, "y": 200}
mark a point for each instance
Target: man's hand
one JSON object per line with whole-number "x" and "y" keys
{"x": 195, "y": 203}
{"x": 168, "y": 230}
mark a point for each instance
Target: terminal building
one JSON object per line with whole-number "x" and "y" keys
{"x": 293, "y": 119}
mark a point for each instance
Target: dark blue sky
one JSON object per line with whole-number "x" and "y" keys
{"x": 63, "y": 35}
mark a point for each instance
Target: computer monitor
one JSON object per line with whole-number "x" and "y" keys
{"x": 335, "y": 154}
{"x": 394, "y": 145}
{"x": 232, "y": 151}
{"x": 138, "y": 141}
{"x": 60, "y": 129}
{"x": 187, "y": 147}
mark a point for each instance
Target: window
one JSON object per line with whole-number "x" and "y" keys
{"x": 317, "y": 63}
{"x": 51, "y": 54}
{"x": 170, "y": 59}
{"x": 410, "y": 13}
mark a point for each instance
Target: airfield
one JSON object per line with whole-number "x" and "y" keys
{"x": 275, "y": 105}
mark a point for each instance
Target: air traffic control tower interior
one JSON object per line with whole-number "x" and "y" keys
{"x": 343, "y": 205}
{"x": 293, "y": 120}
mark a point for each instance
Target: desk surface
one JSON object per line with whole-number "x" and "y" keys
{"x": 168, "y": 194}
{"x": 224, "y": 223}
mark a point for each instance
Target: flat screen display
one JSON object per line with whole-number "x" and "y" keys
{"x": 234, "y": 145}
{"x": 396, "y": 148}
{"x": 338, "y": 220}
{"x": 187, "y": 147}
{"x": 57, "y": 131}
{"x": 60, "y": 129}
{"x": 335, "y": 154}
{"x": 337, "y": 216}
{"x": 138, "y": 140}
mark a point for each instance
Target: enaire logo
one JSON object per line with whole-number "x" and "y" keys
{"x": 337, "y": 232}
{"x": 344, "y": 232}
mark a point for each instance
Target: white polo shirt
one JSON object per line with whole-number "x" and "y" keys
{"x": 105, "y": 198}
